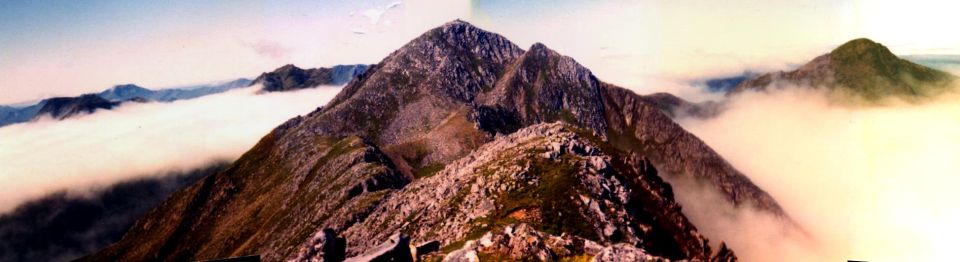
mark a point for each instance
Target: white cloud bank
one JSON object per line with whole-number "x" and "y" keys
{"x": 139, "y": 139}
{"x": 874, "y": 183}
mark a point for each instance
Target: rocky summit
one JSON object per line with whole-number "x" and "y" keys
{"x": 860, "y": 67}
{"x": 458, "y": 146}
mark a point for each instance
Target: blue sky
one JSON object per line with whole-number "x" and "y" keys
{"x": 70, "y": 47}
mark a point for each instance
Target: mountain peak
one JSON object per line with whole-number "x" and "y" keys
{"x": 127, "y": 87}
{"x": 861, "y": 45}
{"x": 863, "y": 50}
{"x": 288, "y": 68}
{"x": 456, "y": 22}
{"x": 124, "y": 92}
{"x": 862, "y": 67}
{"x": 461, "y": 33}
{"x": 456, "y": 26}
{"x": 538, "y": 47}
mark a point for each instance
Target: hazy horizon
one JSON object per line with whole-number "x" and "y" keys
{"x": 90, "y": 46}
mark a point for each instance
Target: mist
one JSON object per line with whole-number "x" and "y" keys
{"x": 864, "y": 182}
{"x": 135, "y": 140}
{"x": 62, "y": 226}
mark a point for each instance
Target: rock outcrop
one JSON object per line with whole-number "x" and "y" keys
{"x": 570, "y": 193}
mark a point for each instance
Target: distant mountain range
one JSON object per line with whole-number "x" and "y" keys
{"x": 859, "y": 67}
{"x": 458, "y": 145}
{"x": 130, "y": 91}
{"x": 65, "y": 107}
{"x": 290, "y": 77}
{"x": 723, "y": 84}
{"x": 285, "y": 78}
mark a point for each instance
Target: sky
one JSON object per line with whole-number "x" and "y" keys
{"x": 50, "y": 48}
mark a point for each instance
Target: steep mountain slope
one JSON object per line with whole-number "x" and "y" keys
{"x": 64, "y": 107}
{"x": 290, "y": 77}
{"x": 861, "y": 67}
{"x": 413, "y": 132}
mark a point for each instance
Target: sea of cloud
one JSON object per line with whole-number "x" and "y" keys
{"x": 107, "y": 147}
{"x": 875, "y": 182}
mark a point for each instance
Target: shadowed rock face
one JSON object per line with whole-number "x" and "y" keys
{"x": 861, "y": 67}
{"x": 410, "y": 146}
{"x": 64, "y": 107}
{"x": 290, "y": 77}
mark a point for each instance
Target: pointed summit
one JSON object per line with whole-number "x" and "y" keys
{"x": 462, "y": 37}
{"x": 456, "y": 22}
{"x": 862, "y": 46}
{"x": 871, "y": 69}
{"x": 861, "y": 67}
{"x": 456, "y": 27}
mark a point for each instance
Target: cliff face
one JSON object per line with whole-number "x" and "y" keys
{"x": 443, "y": 141}
{"x": 860, "y": 67}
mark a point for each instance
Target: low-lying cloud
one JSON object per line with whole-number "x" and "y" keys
{"x": 869, "y": 183}
{"x": 63, "y": 226}
{"x": 107, "y": 147}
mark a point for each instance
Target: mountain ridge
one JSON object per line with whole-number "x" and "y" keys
{"x": 129, "y": 91}
{"x": 290, "y": 77}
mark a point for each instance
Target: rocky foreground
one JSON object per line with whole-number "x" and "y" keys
{"x": 545, "y": 192}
